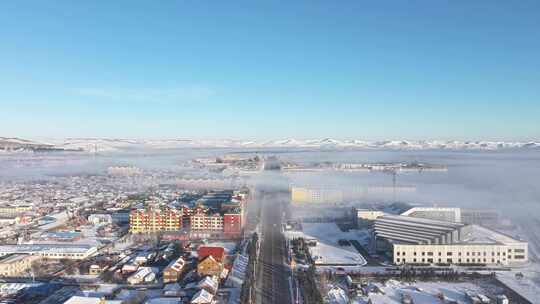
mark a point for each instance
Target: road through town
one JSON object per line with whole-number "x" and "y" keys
{"x": 273, "y": 274}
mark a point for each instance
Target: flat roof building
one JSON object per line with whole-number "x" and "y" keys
{"x": 368, "y": 214}
{"x": 484, "y": 217}
{"x": 51, "y": 251}
{"x": 16, "y": 263}
{"x": 435, "y": 213}
{"x": 423, "y": 241}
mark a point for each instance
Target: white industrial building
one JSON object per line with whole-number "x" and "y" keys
{"x": 414, "y": 240}
{"x": 51, "y": 251}
{"x": 435, "y": 213}
{"x": 367, "y": 214}
{"x": 484, "y": 217}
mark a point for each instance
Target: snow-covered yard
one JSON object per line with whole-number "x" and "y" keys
{"x": 327, "y": 250}
{"x": 419, "y": 292}
{"x": 528, "y": 286}
{"x": 425, "y": 292}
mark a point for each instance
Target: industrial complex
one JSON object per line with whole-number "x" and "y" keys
{"x": 424, "y": 241}
{"x": 441, "y": 235}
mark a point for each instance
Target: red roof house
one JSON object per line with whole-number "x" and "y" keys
{"x": 218, "y": 253}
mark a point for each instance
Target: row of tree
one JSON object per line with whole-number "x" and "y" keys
{"x": 412, "y": 274}
{"x": 308, "y": 285}
{"x": 247, "y": 294}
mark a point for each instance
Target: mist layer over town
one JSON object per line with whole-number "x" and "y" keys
{"x": 503, "y": 180}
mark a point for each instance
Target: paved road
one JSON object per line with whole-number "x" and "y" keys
{"x": 273, "y": 274}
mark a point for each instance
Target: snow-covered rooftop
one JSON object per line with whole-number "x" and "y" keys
{"x": 482, "y": 235}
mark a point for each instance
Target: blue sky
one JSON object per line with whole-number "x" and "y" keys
{"x": 271, "y": 69}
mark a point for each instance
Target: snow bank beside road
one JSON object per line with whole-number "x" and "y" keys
{"x": 327, "y": 250}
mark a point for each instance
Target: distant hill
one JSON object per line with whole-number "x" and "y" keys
{"x": 18, "y": 144}
{"x": 108, "y": 144}
{"x": 118, "y": 144}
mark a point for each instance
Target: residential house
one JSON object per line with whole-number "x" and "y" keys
{"x": 174, "y": 270}
{"x": 209, "y": 267}
{"x": 202, "y": 297}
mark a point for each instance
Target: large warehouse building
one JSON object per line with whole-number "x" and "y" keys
{"x": 414, "y": 240}
{"x": 435, "y": 213}
{"x": 484, "y": 217}
{"x": 51, "y": 251}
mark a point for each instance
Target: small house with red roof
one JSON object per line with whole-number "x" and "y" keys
{"x": 211, "y": 260}
{"x": 218, "y": 253}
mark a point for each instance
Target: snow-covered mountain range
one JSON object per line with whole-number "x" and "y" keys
{"x": 18, "y": 144}
{"x": 111, "y": 145}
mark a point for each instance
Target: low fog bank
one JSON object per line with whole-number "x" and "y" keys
{"x": 31, "y": 166}
{"x": 505, "y": 180}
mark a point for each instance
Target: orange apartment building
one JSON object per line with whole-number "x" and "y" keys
{"x": 155, "y": 220}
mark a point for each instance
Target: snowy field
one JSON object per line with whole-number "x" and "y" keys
{"x": 528, "y": 286}
{"x": 420, "y": 292}
{"x": 327, "y": 250}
